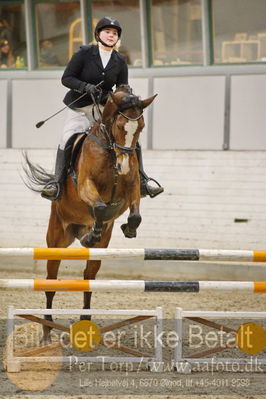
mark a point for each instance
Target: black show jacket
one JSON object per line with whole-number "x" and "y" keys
{"x": 85, "y": 67}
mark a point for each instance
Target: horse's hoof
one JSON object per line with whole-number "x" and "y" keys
{"x": 89, "y": 240}
{"x": 128, "y": 233}
{"x": 84, "y": 241}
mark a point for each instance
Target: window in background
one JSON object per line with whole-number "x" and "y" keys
{"x": 13, "y": 52}
{"x": 128, "y": 14}
{"x": 239, "y": 31}
{"x": 58, "y": 27}
{"x": 176, "y": 32}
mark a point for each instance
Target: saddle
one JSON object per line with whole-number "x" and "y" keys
{"x": 72, "y": 150}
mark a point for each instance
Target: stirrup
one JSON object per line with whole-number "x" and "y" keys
{"x": 53, "y": 197}
{"x": 145, "y": 185}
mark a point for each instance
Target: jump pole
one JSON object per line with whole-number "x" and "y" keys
{"x": 134, "y": 285}
{"x": 138, "y": 253}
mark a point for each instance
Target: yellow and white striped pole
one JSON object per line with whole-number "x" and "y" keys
{"x": 134, "y": 285}
{"x": 137, "y": 254}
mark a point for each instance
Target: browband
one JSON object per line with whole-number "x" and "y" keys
{"x": 130, "y": 102}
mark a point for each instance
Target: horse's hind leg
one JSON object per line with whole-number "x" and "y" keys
{"x": 93, "y": 266}
{"x": 56, "y": 237}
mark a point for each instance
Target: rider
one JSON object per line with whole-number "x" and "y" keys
{"x": 87, "y": 68}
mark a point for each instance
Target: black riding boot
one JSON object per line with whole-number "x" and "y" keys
{"x": 52, "y": 190}
{"x": 145, "y": 188}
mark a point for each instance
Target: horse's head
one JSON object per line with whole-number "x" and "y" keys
{"x": 123, "y": 115}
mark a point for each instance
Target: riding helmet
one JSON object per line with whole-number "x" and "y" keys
{"x": 107, "y": 22}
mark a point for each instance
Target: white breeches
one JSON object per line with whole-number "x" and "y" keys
{"x": 77, "y": 121}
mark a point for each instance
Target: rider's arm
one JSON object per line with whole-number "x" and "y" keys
{"x": 71, "y": 75}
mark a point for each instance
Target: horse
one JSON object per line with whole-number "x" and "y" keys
{"x": 105, "y": 184}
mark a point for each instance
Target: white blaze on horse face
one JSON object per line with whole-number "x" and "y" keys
{"x": 130, "y": 128}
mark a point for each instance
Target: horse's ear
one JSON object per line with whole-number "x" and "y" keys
{"x": 148, "y": 101}
{"x": 110, "y": 108}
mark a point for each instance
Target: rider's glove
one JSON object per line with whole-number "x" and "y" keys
{"x": 91, "y": 89}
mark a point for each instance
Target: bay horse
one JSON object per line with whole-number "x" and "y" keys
{"x": 107, "y": 184}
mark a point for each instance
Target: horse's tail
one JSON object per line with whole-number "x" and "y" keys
{"x": 36, "y": 176}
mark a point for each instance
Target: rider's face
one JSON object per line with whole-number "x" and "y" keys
{"x": 109, "y": 36}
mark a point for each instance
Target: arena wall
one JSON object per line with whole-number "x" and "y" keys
{"x": 212, "y": 199}
{"x": 192, "y": 112}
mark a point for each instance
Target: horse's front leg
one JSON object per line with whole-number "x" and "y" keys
{"x": 95, "y": 233}
{"x": 134, "y": 219}
{"x": 89, "y": 194}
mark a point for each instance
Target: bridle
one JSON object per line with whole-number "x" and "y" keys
{"x": 129, "y": 118}
{"x": 109, "y": 143}
{"x": 125, "y": 149}
{"x": 130, "y": 101}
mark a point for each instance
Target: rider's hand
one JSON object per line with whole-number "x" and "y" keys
{"x": 91, "y": 89}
